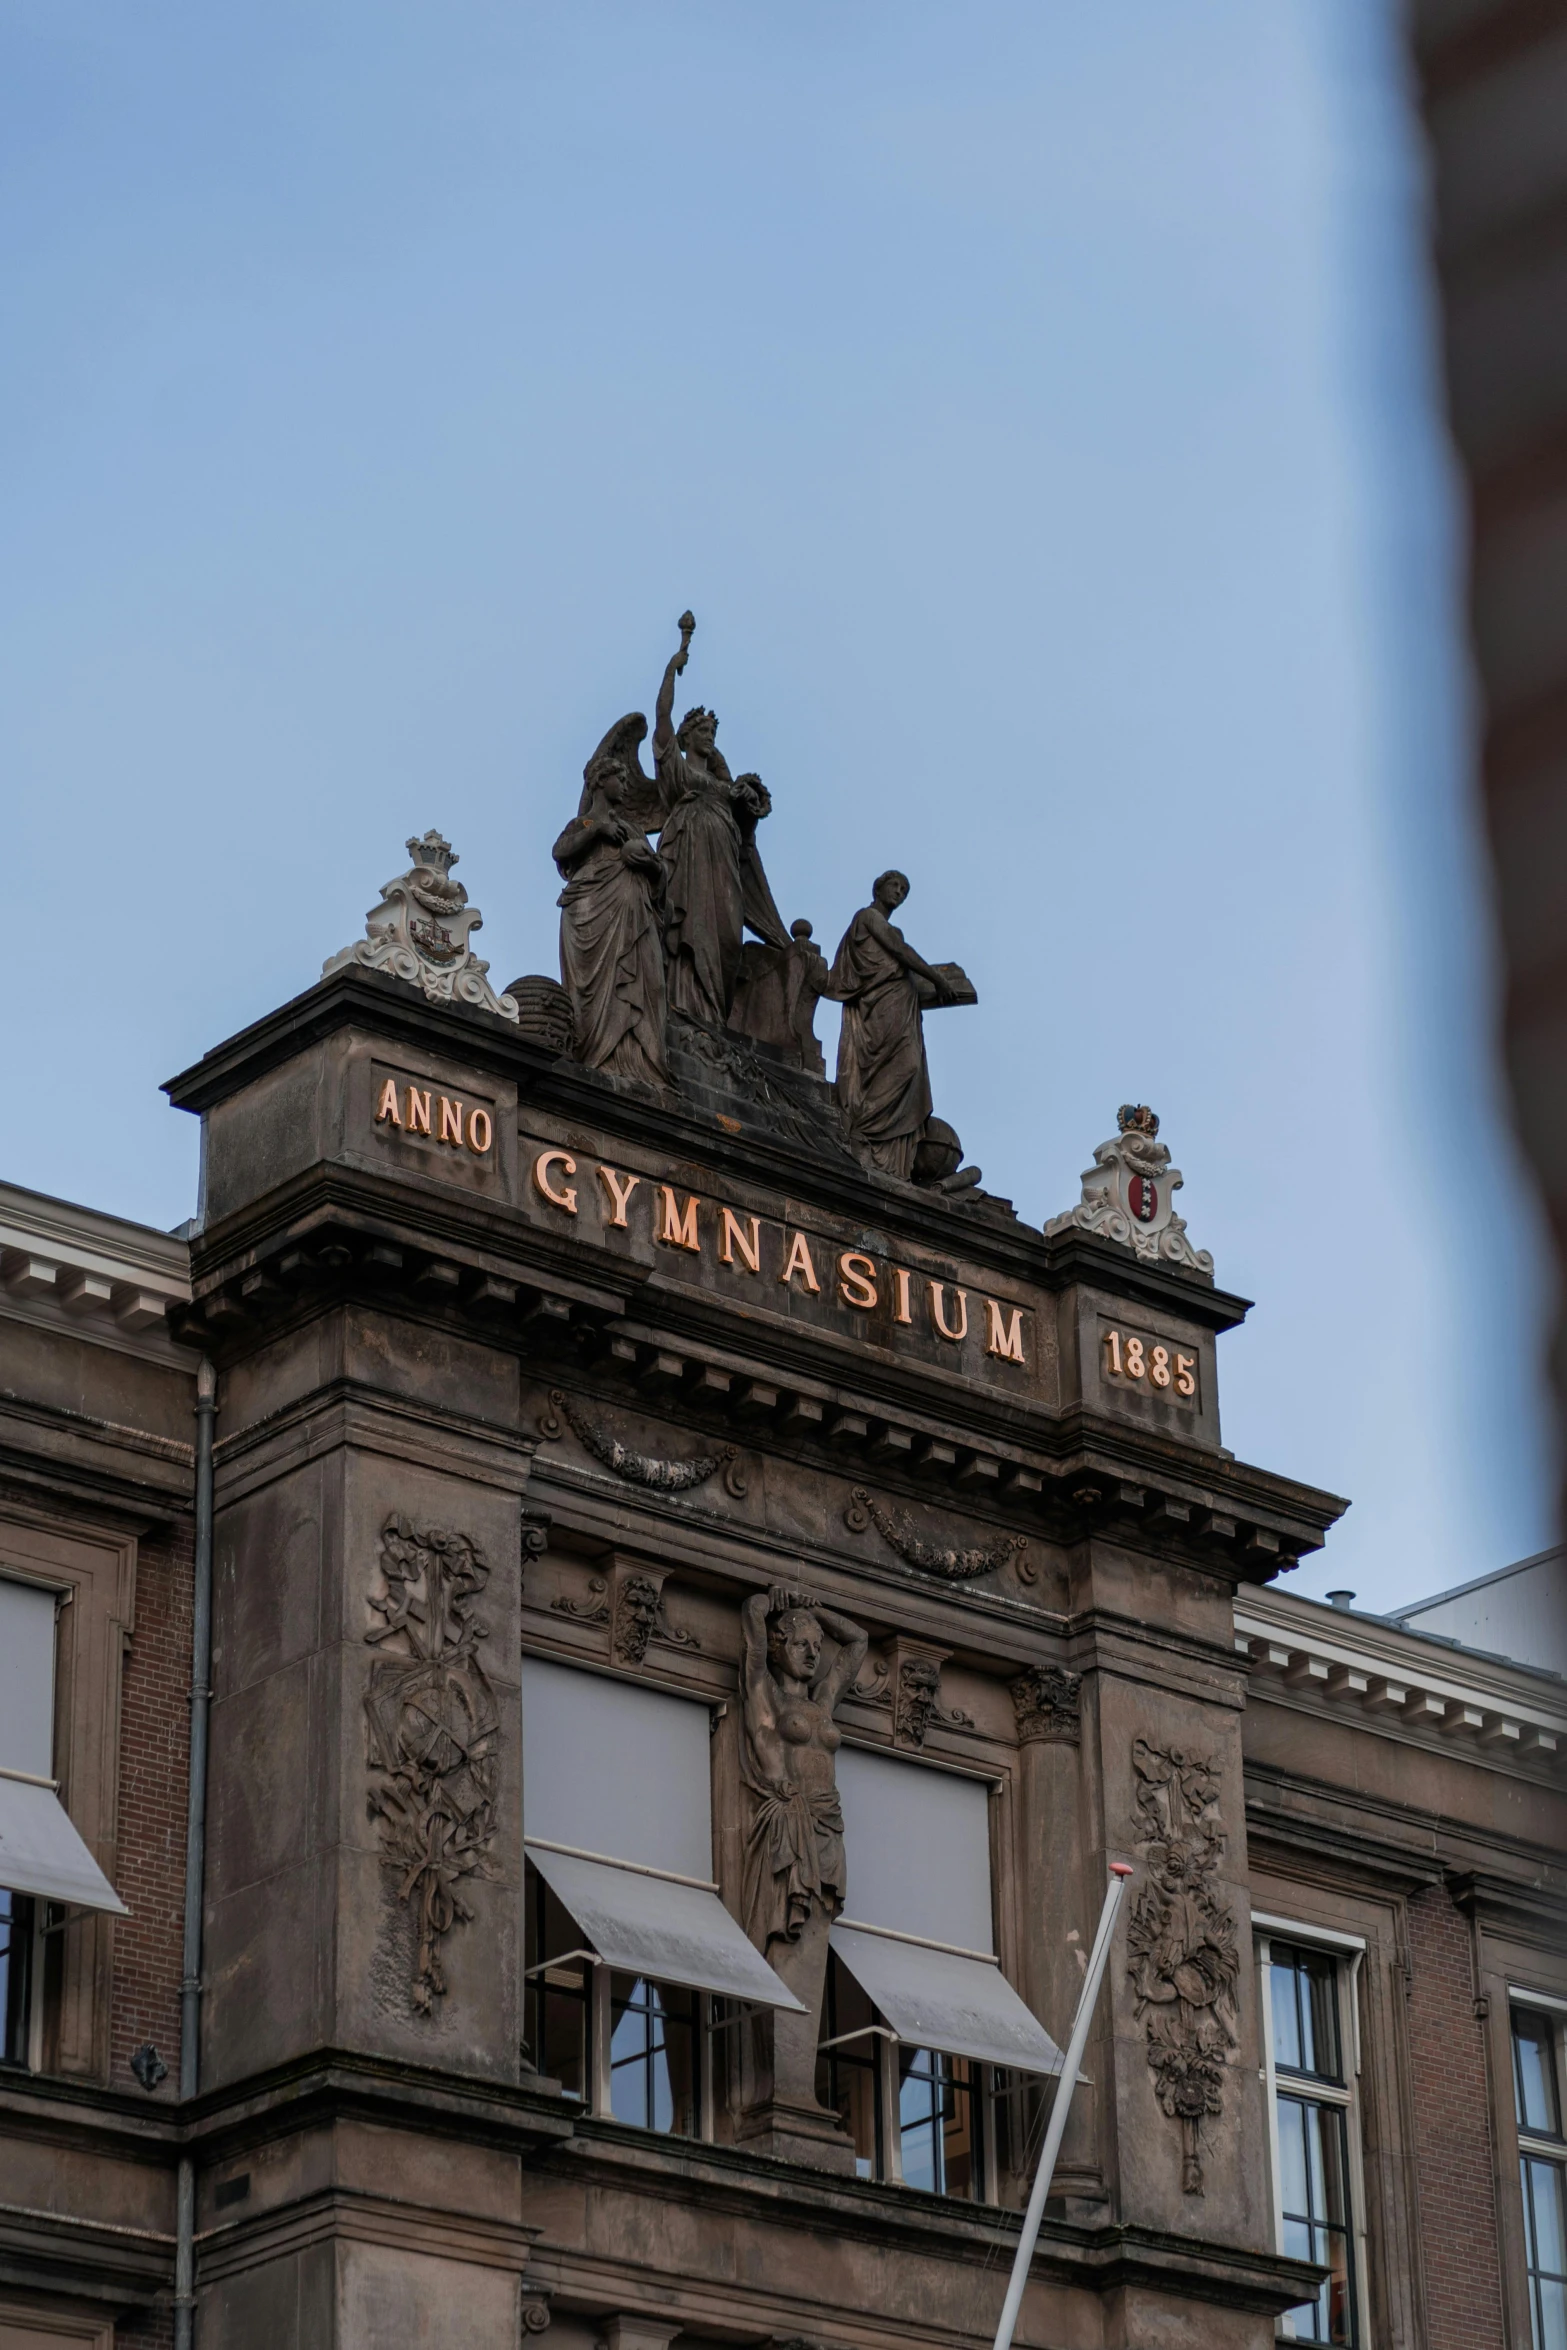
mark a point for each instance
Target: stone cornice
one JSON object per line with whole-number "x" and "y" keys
{"x": 1401, "y": 1844}
{"x": 98, "y": 1278}
{"x": 100, "y": 1463}
{"x": 229, "y": 2123}
{"x": 1401, "y": 1685}
{"x": 569, "y": 1308}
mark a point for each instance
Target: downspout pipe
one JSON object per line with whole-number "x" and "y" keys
{"x": 195, "y": 1852}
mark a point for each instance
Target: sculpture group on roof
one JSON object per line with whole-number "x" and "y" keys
{"x": 653, "y": 942}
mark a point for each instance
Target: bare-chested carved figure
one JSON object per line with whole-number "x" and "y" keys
{"x": 800, "y": 1660}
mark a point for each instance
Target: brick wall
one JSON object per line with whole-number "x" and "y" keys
{"x": 154, "y": 1750}
{"x": 1453, "y": 2152}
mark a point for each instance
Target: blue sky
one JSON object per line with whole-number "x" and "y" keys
{"x": 1035, "y": 405}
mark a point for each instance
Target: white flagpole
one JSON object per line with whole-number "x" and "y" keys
{"x": 1119, "y": 1872}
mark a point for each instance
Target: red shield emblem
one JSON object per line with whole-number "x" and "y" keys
{"x": 1143, "y": 1199}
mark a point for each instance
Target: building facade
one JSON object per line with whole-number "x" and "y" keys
{"x": 700, "y": 1595}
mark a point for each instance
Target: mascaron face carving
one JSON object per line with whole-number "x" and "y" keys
{"x": 433, "y": 1732}
{"x": 1184, "y": 1960}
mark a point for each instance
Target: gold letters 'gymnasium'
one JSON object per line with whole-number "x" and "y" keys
{"x": 855, "y": 1279}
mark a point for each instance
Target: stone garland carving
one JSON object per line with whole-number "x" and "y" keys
{"x": 1129, "y": 1195}
{"x": 433, "y": 1730}
{"x": 957, "y": 1565}
{"x": 640, "y": 1468}
{"x": 422, "y": 932}
{"x": 1048, "y": 1702}
{"x": 1185, "y": 1964}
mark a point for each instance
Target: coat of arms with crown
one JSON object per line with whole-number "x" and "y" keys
{"x": 1129, "y": 1195}
{"x": 421, "y": 932}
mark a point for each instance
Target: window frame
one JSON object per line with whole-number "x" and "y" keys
{"x": 91, "y": 1569}
{"x": 987, "y": 2085}
{"x": 1535, "y": 2145}
{"x": 713, "y": 2016}
{"x": 1347, "y": 1953}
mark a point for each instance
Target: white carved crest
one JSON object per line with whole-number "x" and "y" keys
{"x": 422, "y": 932}
{"x": 1129, "y": 1195}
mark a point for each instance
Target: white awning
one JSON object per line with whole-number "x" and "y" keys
{"x": 934, "y": 1998}
{"x": 660, "y": 1928}
{"x": 41, "y": 1852}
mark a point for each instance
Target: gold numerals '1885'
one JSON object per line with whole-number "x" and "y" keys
{"x": 1163, "y": 1369}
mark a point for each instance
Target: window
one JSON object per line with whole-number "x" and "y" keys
{"x": 1311, "y": 2051}
{"x": 635, "y": 1971}
{"x": 16, "y": 1977}
{"x": 938, "y": 2127}
{"x": 925, "y": 2044}
{"x": 653, "y": 2038}
{"x": 48, "y": 1867}
{"x": 851, "y": 2068}
{"x": 625, "y": 2046}
{"x": 921, "y": 2116}
{"x": 1537, "y": 2102}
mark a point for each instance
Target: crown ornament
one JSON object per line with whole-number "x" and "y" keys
{"x": 433, "y": 853}
{"x": 422, "y": 932}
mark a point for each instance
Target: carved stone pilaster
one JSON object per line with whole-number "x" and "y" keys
{"x": 1185, "y": 1963}
{"x": 1048, "y": 1702}
{"x": 433, "y": 1729}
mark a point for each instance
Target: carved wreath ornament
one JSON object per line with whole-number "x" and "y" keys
{"x": 640, "y": 1468}
{"x": 1184, "y": 1960}
{"x": 957, "y": 1565}
{"x": 433, "y": 1729}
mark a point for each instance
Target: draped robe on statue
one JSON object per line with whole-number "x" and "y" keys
{"x": 883, "y": 1082}
{"x": 714, "y": 884}
{"x": 612, "y": 958}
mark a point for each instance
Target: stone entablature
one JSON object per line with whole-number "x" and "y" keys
{"x": 105, "y": 1279}
{"x": 1399, "y": 1684}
